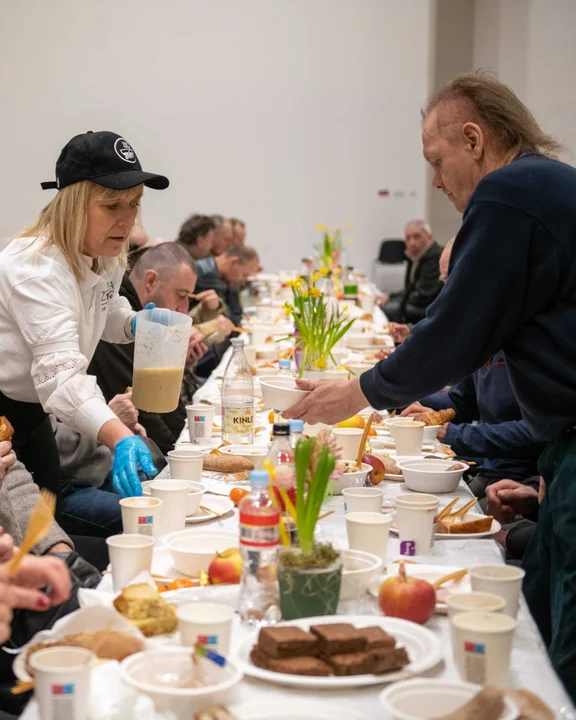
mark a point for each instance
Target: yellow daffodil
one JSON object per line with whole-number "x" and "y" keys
{"x": 290, "y": 283}
{"x": 315, "y": 276}
{"x": 345, "y": 308}
{"x": 287, "y": 311}
{"x": 321, "y": 363}
{"x": 324, "y": 272}
{"x": 337, "y": 270}
{"x": 297, "y": 284}
{"x": 322, "y": 228}
{"x": 304, "y": 293}
{"x": 315, "y": 292}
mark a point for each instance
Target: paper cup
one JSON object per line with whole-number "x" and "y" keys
{"x": 482, "y": 643}
{"x": 171, "y": 515}
{"x": 348, "y": 441}
{"x": 200, "y": 419}
{"x": 473, "y": 602}
{"x": 250, "y": 354}
{"x": 368, "y": 531}
{"x": 408, "y": 437}
{"x": 138, "y": 514}
{"x": 62, "y": 682}
{"x": 363, "y": 499}
{"x": 416, "y": 515}
{"x": 502, "y": 580}
{"x": 186, "y": 464}
{"x": 129, "y": 556}
{"x": 209, "y": 624}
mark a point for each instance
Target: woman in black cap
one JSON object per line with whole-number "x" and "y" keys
{"x": 59, "y": 284}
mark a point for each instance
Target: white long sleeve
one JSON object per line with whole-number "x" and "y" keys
{"x": 118, "y": 328}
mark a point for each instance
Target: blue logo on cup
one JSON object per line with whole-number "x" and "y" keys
{"x": 67, "y": 689}
{"x": 408, "y": 547}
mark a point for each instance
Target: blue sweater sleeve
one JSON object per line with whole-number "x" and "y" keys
{"x": 510, "y": 439}
{"x": 504, "y": 268}
{"x": 461, "y": 398}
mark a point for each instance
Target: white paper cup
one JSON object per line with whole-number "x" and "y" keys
{"x": 363, "y": 499}
{"x": 408, "y": 437}
{"x": 368, "y": 531}
{"x": 171, "y": 516}
{"x": 502, "y": 580}
{"x": 250, "y": 354}
{"x": 348, "y": 441}
{"x": 473, "y": 602}
{"x": 129, "y": 556}
{"x": 138, "y": 514}
{"x": 209, "y": 624}
{"x": 416, "y": 515}
{"x": 62, "y": 682}
{"x": 200, "y": 419}
{"x": 186, "y": 464}
{"x": 482, "y": 643}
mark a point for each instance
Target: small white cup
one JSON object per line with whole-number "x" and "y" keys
{"x": 482, "y": 643}
{"x": 348, "y": 441}
{"x": 186, "y": 464}
{"x": 408, "y": 437}
{"x": 209, "y": 624}
{"x": 474, "y": 602}
{"x": 171, "y": 516}
{"x": 368, "y": 531}
{"x": 502, "y": 580}
{"x": 416, "y": 515}
{"x": 200, "y": 419}
{"x": 138, "y": 514}
{"x": 129, "y": 556}
{"x": 62, "y": 682}
{"x": 363, "y": 499}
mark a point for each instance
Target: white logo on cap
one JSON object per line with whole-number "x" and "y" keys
{"x": 124, "y": 150}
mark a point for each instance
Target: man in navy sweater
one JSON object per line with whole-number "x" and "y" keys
{"x": 512, "y": 287}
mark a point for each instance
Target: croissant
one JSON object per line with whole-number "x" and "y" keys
{"x": 439, "y": 417}
{"x": 6, "y": 429}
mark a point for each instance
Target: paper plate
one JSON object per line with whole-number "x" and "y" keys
{"x": 496, "y": 527}
{"x": 221, "y": 505}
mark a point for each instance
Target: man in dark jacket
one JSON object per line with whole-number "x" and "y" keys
{"x": 422, "y": 283}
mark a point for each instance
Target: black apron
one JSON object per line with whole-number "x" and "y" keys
{"x": 34, "y": 443}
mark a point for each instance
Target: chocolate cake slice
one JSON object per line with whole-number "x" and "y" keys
{"x": 338, "y": 638}
{"x": 287, "y": 641}
{"x": 300, "y": 666}
{"x": 387, "y": 659}
{"x": 359, "y": 663}
{"x": 376, "y": 637}
{"x": 259, "y": 657}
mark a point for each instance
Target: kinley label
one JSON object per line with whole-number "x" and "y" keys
{"x": 239, "y": 422}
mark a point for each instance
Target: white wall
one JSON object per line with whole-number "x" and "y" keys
{"x": 286, "y": 113}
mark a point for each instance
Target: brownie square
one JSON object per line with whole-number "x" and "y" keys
{"x": 359, "y": 663}
{"x": 300, "y": 666}
{"x": 259, "y": 657}
{"x": 338, "y": 638}
{"x": 286, "y": 642}
{"x": 387, "y": 659}
{"x": 376, "y": 637}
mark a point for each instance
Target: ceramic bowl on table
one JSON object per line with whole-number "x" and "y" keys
{"x": 193, "y": 550}
{"x": 358, "y": 569}
{"x": 255, "y": 453}
{"x": 280, "y": 392}
{"x": 430, "y": 475}
{"x": 195, "y": 494}
{"x": 350, "y": 479}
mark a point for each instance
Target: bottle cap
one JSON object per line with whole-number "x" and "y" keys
{"x": 259, "y": 478}
{"x": 284, "y": 363}
{"x": 281, "y": 429}
{"x": 296, "y": 425}
{"x": 237, "y": 342}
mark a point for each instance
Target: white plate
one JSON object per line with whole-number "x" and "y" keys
{"x": 423, "y": 647}
{"x": 496, "y": 527}
{"x": 217, "y": 485}
{"x": 431, "y": 573}
{"x": 217, "y": 503}
{"x": 294, "y": 710}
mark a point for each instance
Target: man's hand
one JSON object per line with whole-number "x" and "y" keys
{"x": 7, "y": 459}
{"x": 398, "y": 332}
{"x": 385, "y": 353}
{"x": 196, "y": 347}
{"x": 441, "y": 434}
{"x": 328, "y": 402}
{"x": 124, "y": 409}
{"x": 209, "y": 298}
{"x": 139, "y": 430}
{"x": 226, "y": 325}
{"x": 508, "y": 498}
{"x": 415, "y": 409}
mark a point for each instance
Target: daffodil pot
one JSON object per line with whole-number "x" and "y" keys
{"x": 308, "y": 591}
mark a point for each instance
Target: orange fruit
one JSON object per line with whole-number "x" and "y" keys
{"x": 271, "y": 416}
{"x": 356, "y": 421}
{"x": 236, "y": 494}
{"x": 180, "y": 583}
{"x": 372, "y": 432}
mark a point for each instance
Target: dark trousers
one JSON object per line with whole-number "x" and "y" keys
{"x": 550, "y": 560}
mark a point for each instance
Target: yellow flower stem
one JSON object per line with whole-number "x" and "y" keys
{"x": 288, "y": 503}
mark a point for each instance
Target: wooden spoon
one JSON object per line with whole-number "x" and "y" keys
{"x": 363, "y": 442}
{"x": 458, "y": 575}
{"x": 38, "y": 527}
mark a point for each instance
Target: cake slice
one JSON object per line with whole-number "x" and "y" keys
{"x": 338, "y": 638}
{"x": 376, "y": 637}
{"x": 287, "y": 641}
{"x": 385, "y": 660}
{"x": 359, "y": 663}
{"x": 143, "y": 606}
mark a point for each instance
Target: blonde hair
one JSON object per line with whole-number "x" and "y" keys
{"x": 62, "y": 223}
{"x": 498, "y": 109}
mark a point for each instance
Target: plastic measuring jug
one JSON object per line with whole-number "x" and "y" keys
{"x": 159, "y": 358}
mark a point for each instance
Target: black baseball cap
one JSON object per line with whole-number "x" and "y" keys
{"x": 103, "y": 158}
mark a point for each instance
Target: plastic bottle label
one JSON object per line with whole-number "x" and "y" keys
{"x": 259, "y": 531}
{"x": 239, "y": 421}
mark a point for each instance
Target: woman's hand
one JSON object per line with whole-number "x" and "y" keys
{"x": 209, "y": 298}
{"x": 7, "y": 459}
{"x": 6, "y": 546}
{"x": 124, "y": 409}
{"x": 131, "y": 454}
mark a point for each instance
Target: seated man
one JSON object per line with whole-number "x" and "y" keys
{"x": 197, "y": 236}
{"x": 507, "y": 501}
{"x": 422, "y": 283}
{"x": 238, "y": 231}
{"x": 166, "y": 276}
{"x": 223, "y": 235}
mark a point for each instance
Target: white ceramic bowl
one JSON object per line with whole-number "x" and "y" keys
{"x": 195, "y": 495}
{"x": 143, "y": 672}
{"x": 358, "y": 569}
{"x": 431, "y": 476}
{"x": 354, "y": 479}
{"x": 280, "y": 392}
{"x": 421, "y": 699}
{"x": 192, "y": 550}
{"x": 430, "y": 432}
{"x": 256, "y": 453}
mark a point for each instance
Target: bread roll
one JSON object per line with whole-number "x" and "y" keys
{"x": 6, "y": 429}
{"x": 227, "y": 463}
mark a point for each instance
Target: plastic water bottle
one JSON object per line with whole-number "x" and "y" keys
{"x": 238, "y": 398}
{"x": 285, "y": 367}
{"x": 281, "y": 456}
{"x": 259, "y": 540}
{"x": 296, "y": 431}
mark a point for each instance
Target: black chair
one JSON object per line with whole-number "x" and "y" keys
{"x": 392, "y": 251}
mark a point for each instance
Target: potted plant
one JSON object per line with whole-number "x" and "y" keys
{"x": 309, "y": 574}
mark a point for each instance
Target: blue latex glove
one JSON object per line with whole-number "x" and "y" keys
{"x": 130, "y": 453}
{"x": 148, "y": 306}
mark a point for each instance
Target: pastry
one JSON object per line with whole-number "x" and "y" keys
{"x": 287, "y": 641}
{"x": 143, "y": 606}
{"x": 438, "y": 417}
{"x": 530, "y": 705}
{"x": 338, "y": 638}
{"x": 390, "y": 466}
{"x": 454, "y": 466}
{"x": 6, "y": 429}
{"x": 488, "y": 704}
{"x": 454, "y": 522}
{"x": 226, "y": 463}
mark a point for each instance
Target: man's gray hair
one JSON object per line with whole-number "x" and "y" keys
{"x": 166, "y": 259}
{"x": 421, "y": 224}
{"x": 244, "y": 253}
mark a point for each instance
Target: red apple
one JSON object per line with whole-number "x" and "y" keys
{"x": 407, "y": 597}
{"x": 226, "y": 568}
{"x": 376, "y": 475}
